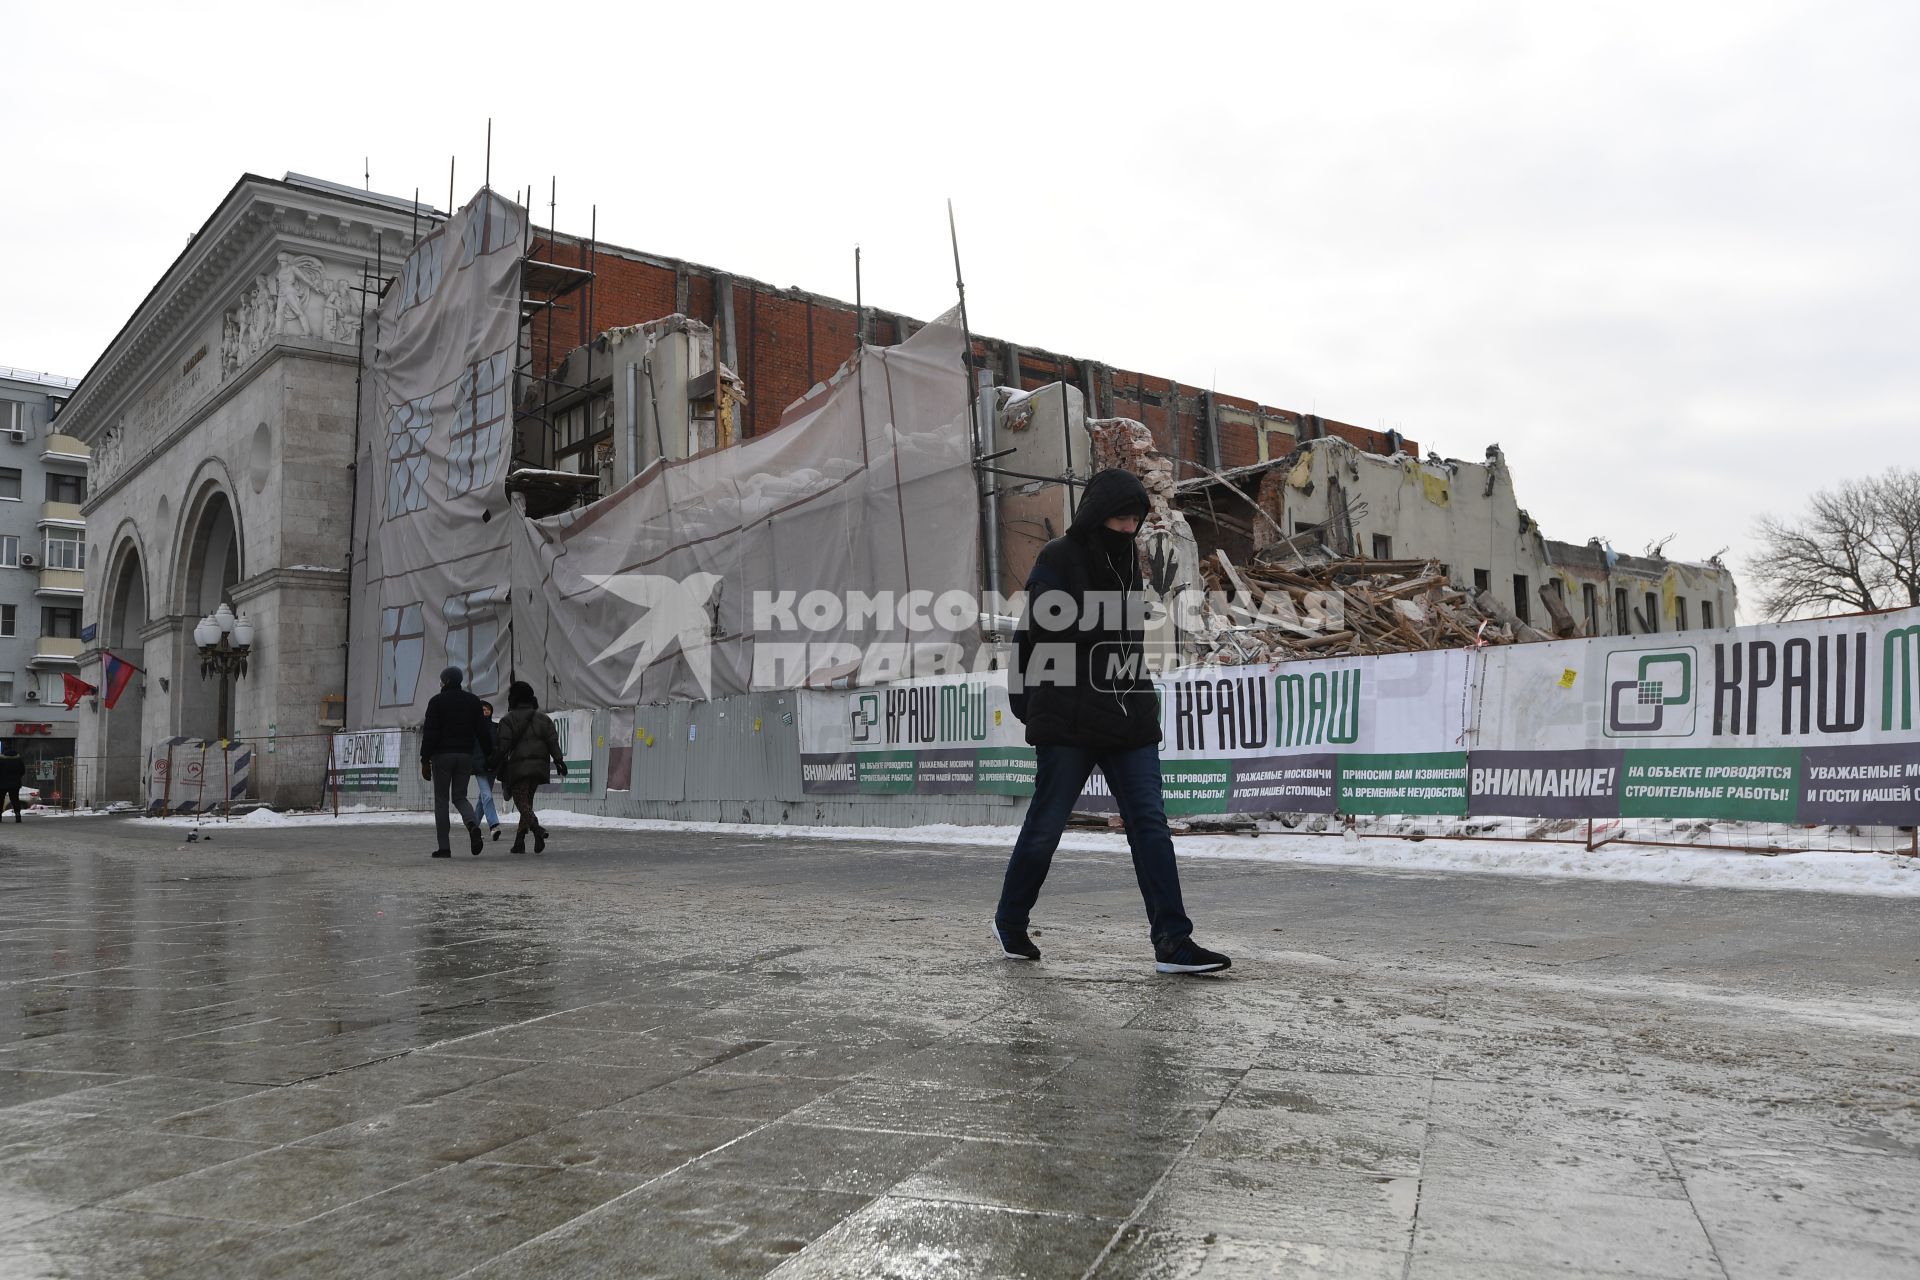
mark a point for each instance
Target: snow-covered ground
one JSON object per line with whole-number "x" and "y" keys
{"x": 1826, "y": 872}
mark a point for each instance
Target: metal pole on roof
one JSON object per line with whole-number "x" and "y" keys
{"x": 982, "y": 438}
{"x": 593, "y": 246}
{"x": 487, "y": 180}
{"x": 450, "y": 160}
{"x": 1066, "y": 434}
{"x": 546, "y": 378}
{"x": 859, "y": 305}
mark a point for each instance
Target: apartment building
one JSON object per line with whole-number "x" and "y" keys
{"x": 43, "y": 562}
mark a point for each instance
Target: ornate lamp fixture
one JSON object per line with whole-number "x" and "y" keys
{"x": 225, "y": 643}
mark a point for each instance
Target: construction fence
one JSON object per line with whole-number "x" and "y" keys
{"x": 1776, "y": 738}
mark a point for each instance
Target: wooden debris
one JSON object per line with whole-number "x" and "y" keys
{"x": 1312, "y": 606}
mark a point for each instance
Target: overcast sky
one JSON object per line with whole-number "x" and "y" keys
{"x": 1665, "y": 254}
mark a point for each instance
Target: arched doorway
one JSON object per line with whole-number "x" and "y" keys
{"x": 210, "y": 572}
{"x": 121, "y": 749}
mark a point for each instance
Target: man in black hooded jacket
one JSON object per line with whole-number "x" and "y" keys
{"x": 1087, "y": 701}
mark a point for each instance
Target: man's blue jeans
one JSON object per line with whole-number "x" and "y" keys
{"x": 483, "y": 804}
{"x": 1134, "y": 778}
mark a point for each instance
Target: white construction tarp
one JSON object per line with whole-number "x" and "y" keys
{"x": 817, "y": 551}
{"x": 842, "y": 546}
{"x": 431, "y": 556}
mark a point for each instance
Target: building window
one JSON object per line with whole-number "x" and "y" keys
{"x": 1622, "y": 620}
{"x": 13, "y": 415}
{"x": 579, "y": 442}
{"x": 408, "y": 426}
{"x": 10, "y": 483}
{"x": 9, "y": 619}
{"x": 402, "y": 643}
{"x": 1590, "y": 606}
{"x": 1521, "y": 607}
{"x": 1482, "y": 581}
{"x": 480, "y": 425}
{"x": 473, "y": 638}
{"x": 62, "y": 624}
{"x": 1679, "y": 613}
{"x": 1653, "y": 613}
{"x": 1706, "y": 614}
{"x": 9, "y": 551}
{"x": 66, "y": 549}
{"x": 6, "y": 688}
{"x": 61, "y": 488}
{"x": 1382, "y": 547}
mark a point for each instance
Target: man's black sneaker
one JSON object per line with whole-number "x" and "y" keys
{"x": 1189, "y": 956}
{"x": 1014, "y": 943}
{"x": 443, "y": 853}
{"x": 474, "y": 840}
{"x": 496, "y": 831}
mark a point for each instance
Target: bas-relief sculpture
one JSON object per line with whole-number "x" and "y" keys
{"x": 295, "y": 297}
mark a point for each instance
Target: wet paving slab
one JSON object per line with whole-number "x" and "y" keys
{"x": 288, "y": 1053}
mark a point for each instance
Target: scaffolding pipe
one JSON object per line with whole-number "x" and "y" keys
{"x": 633, "y": 421}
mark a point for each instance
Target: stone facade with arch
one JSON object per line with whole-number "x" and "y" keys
{"x": 222, "y": 421}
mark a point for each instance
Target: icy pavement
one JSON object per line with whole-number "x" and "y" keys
{"x": 310, "y": 1050}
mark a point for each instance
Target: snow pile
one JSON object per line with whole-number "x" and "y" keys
{"x": 268, "y": 818}
{"x": 1880, "y": 874}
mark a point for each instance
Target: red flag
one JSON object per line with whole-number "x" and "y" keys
{"x": 117, "y": 673}
{"x": 76, "y": 689}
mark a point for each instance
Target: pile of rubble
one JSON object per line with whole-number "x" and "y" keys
{"x": 1297, "y": 599}
{"x": 1316, "y": 607}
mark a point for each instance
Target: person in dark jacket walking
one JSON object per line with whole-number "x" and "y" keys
{"x": 526, "y": 741}
{"x": 13, "y": 773}
{"x": 1088, "y": 702}
{"x": 449, "y": 737}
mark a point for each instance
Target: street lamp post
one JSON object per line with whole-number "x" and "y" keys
{"x": 225, "y": 644}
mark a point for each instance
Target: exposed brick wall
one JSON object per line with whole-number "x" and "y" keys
{"x": 786, "y": 340}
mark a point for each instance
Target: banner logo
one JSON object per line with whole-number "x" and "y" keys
{"x": 1316, "y": 709}
{"x": 865, "y": 716}
{"x": 1900, "y": 670}
{"x": 1650, "y": 693}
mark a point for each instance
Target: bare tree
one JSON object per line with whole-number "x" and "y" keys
{"x": 1858, "y": 547}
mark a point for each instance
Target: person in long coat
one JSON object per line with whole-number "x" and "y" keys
{"x": 527, "y": 747}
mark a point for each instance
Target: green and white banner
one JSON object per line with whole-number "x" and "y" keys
{"x": 576, "y": 747}
{"x": 367, "y": 761}
{"x": 1814, "y": 722}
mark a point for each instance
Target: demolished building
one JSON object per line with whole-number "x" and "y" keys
{"x": 544, "y": 424}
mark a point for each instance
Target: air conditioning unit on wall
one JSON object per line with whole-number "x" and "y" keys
{"x": 28, "y": 560}
{"x": 33, "y": 695}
